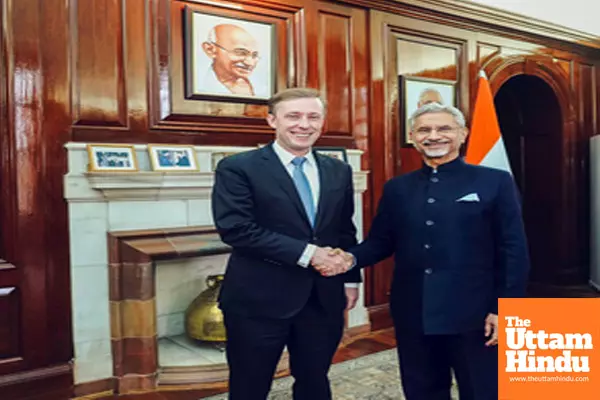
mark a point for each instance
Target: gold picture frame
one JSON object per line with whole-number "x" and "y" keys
{"x": 173, "y": 158}
{"x": 108, "y": 157}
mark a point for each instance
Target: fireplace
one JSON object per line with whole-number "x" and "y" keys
{"x": 134, "y": 257}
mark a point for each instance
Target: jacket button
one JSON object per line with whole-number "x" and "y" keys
{"x": 427, "y": 246}
{"x": 428, "y": 271}
{"x": 429, "y": 223}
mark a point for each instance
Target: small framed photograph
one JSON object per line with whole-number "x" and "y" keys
{"x": 335, "y": 152}
{"x": 416, "y": 92}
{"x": 229, "y": 58}
{"x": 112, "y": 158}
{"x": 217, "y": 157}
{"x": 173, "y": 158}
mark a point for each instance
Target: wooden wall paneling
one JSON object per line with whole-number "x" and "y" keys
{"x": 34, "y": 216}
{"x": 25, "y": 137}
{"x": 6, "y": 154}
{"x": 110, "y": 67}
{"x": 137, "y": 62}
{"x": 378, "y": 142}
{"x": 99, "y": 70}
{"x": 337, "y": 46}
{"x": 53, "y": 166}
{"x": 9, "y": 323}
{"x": 335, "y": 71}
{"x": 342, "y": 70}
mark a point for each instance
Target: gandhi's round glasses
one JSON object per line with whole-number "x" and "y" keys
{"x": 240, "y": 53}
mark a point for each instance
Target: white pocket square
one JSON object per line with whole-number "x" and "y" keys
{"x": 469, "y": 197}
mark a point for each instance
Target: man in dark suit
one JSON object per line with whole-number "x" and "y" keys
{"x": 281, "y": 208}
{"x": 457, "y": 235}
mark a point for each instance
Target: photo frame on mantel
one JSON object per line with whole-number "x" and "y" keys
{"x": 416, "y": 91}
{"x": 173, "y": 158}
{"x": 335, "y": 152}
{"x": 109, "y": 157}
{"x": 229, "y": 59}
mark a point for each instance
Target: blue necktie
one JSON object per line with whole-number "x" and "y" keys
{"x": 301, "y": 182}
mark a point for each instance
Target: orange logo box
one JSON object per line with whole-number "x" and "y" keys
{"x": 549, "y": 349}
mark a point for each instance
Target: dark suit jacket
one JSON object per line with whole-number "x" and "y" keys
{"x": 258, "y": 212}
{"x": 453, "y": 259}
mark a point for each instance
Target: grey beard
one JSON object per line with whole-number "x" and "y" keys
{"x": 435, "y": 154}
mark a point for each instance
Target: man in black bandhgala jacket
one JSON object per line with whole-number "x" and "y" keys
{"x": 458, "y": 241}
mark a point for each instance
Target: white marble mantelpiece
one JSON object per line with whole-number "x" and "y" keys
{"x": 108, "y": 202}
{"x": 82, "y": 186}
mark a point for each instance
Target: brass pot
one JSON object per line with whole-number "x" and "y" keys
{"x": 203, "y": 318}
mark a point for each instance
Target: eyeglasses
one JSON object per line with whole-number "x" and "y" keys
{"x": 428, "y": 130}
{"x": 240, "y": 53}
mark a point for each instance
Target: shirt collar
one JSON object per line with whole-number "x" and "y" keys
{"x": 286, "y": 157}
{"x": 453, "y": 165}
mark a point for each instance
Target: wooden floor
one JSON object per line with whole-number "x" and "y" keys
{"x": 369, "y": 343}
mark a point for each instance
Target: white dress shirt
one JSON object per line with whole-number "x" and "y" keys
{"x": 311, "y": 170}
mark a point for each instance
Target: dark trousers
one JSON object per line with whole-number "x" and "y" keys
{"x": 426, "y": 362}
{"x": 255, "y": 345}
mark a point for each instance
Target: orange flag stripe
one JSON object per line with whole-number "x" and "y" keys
{"x": 485, "y": 131}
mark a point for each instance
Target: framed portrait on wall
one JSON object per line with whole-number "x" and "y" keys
{"x": 229, "y": 59}
{"x": 416, "y": 92}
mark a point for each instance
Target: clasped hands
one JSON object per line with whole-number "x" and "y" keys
{"x": 329, "y": 262}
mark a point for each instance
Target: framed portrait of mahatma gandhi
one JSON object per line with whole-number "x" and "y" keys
{"x": 228, "y": 59}
{"x": 416, "y": 92}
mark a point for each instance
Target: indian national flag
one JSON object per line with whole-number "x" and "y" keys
{"x": 486, "y": 146}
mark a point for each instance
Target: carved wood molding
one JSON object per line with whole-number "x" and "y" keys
{"x": 483, "y": 16}
{"x": 501, "y": 69}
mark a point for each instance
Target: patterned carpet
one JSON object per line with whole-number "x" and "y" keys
{"x": 372, "y": 377}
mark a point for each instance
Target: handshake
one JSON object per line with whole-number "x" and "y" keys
{"x": 330, "y": 262}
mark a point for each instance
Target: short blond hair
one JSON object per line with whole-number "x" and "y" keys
{"x": 294, "y": 93}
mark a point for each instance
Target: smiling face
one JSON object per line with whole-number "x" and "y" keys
{"x": 234, "y": 51}
{"x": 437, "y": 137}
{"x": 298, "y": 123}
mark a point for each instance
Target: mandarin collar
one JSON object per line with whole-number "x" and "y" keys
{"x": 453, "y": 165}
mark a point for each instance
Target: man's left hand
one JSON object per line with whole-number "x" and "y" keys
{"x": 491, "y": 329}
{"x": 351, "y": 297}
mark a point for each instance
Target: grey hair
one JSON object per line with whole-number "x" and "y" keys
{"x": 458, "y": 116}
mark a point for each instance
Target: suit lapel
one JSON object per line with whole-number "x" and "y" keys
{"x": 325, "y": 181}
{"x": 273, "y": 166}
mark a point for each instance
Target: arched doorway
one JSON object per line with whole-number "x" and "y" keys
{"x": 530, "y": 119}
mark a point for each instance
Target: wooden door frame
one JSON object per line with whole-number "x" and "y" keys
{"x": 500, "y": 70}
